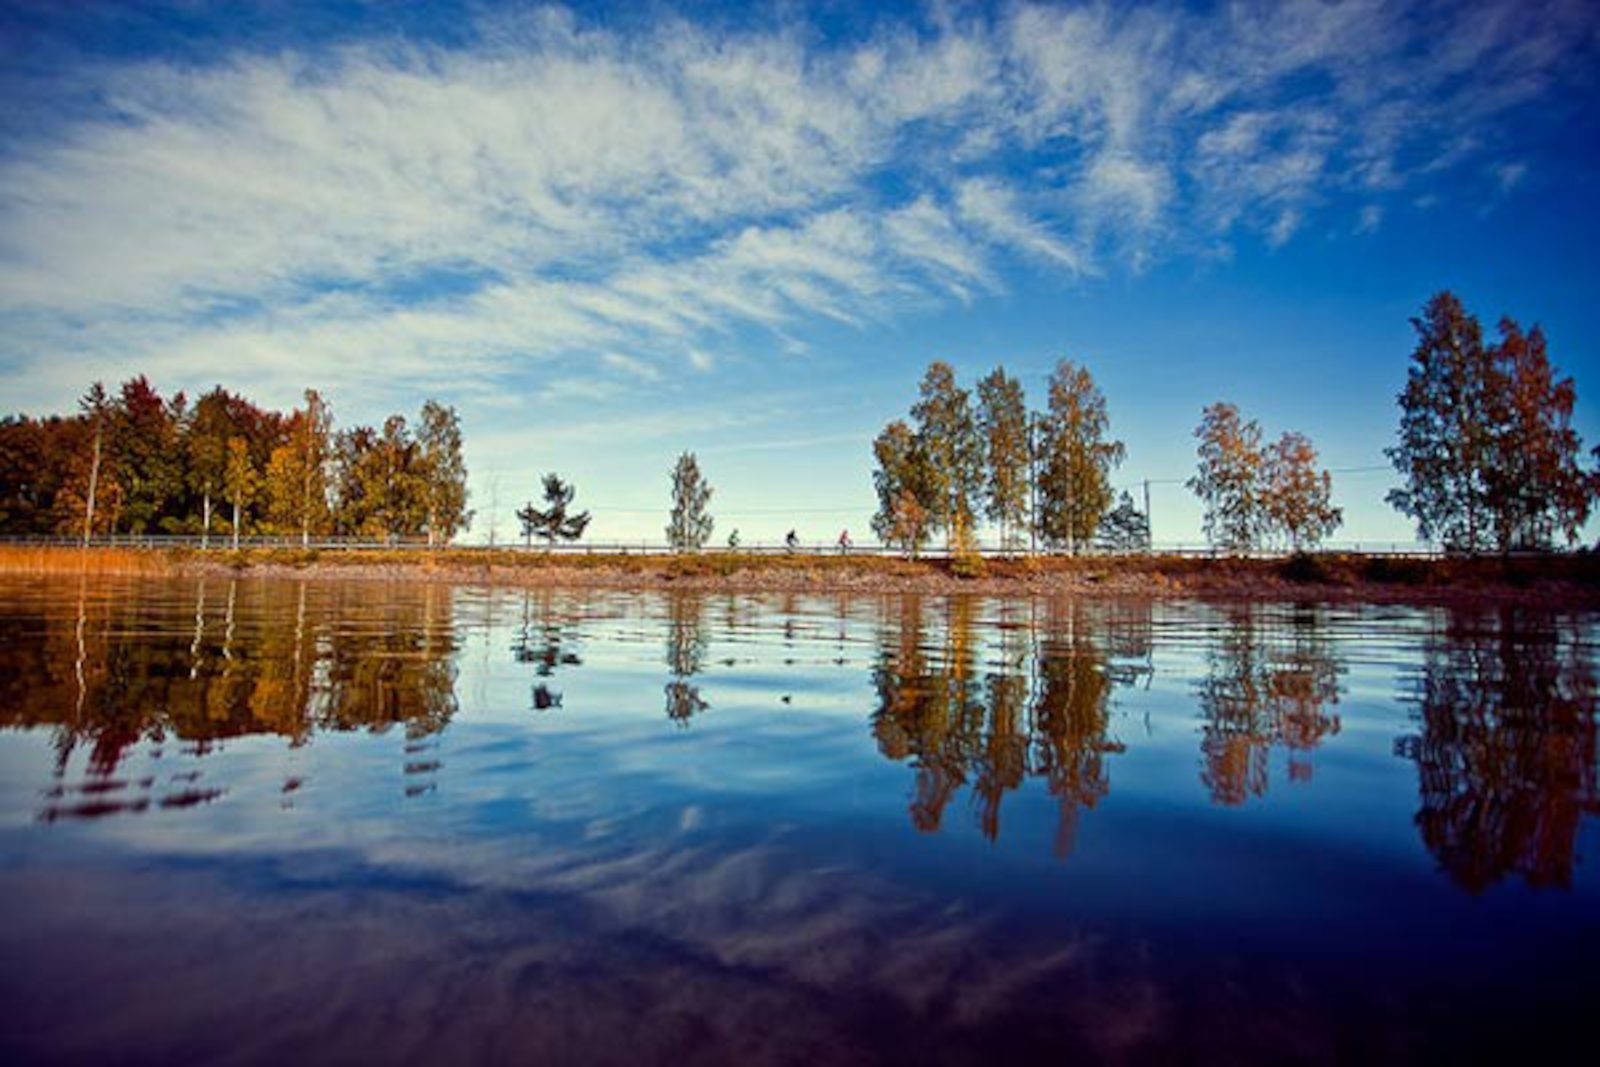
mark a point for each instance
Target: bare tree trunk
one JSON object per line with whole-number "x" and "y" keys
{"x": 94, "y": 487}
{"x": 205, "y": 522}
{"x": 236, "y": 524}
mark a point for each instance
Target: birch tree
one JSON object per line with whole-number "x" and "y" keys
{"x": 1077, "y": 456}
{"x": 1003, "y": 425}
{"x": 1228, "y": 480}
{"x": 689, "y": 525}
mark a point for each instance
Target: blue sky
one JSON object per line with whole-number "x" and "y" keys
{"x": 609, "y": 234}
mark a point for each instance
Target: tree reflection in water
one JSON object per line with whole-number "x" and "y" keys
{"x": 1038, "y": 705}
{"x": 1271, "y": 672}
{"x": 686, "y": 651}
{"x": 975, "y": 695}
{"x": 1506, "y": 755}
{"x": 283, "y": 658}
{"x": 546, "y": 638}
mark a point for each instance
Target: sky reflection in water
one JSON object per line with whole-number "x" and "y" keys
{"x": 263, "y": 819}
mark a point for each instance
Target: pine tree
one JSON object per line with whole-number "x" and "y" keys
{"x": 553, "y": 522}
{"x": 1125, "y": 528}
{"x": 688, "y": 525}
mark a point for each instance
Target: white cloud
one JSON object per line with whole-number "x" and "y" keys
{"x": 994, "y": 209}
{"x": 549, "y": 192}
{"x": 1509, "y": 175}
{"x": 1283, "y": 229}
{"x": 634, "y": 368}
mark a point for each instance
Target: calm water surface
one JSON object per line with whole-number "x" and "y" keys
{"x": 269, "y": 821}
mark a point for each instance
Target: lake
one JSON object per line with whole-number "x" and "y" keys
{"x": 261, "y": 820}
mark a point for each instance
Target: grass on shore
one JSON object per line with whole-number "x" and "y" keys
{"x": 1327, "y": 570}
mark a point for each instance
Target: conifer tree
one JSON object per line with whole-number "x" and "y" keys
{"x": 1125, "y": 528}
{"x": 553, "y": 522}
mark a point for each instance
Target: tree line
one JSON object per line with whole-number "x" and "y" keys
{"x": 1039, "y": 476}
{"x": 1486, "y": 449}
{"x": 134, "y": 462}
{"x": 1045, "y": 477}
{"x": 1486, "y": 445}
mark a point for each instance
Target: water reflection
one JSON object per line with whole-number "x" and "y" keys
{"x": 582, "y": 875}
{"x": 980, "y": 700}
{"x": 1271, "y": 673}
{"x": 1506, "y": 755}
{"x": 1038, "y": 705}
{"x": 686, "y": 653}
{"x": 547, "y": 638}
{"x": 276, "y": 657}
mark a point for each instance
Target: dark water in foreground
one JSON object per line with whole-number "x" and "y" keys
{"x": 263, "y": 821}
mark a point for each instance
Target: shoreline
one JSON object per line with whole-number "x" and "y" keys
{"x": 1555, "y": 580}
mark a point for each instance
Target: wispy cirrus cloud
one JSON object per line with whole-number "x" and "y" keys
{"x": 543, "y": 191}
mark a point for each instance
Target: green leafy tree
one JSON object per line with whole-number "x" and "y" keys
{"x": 1003, "y": 424}
{"x": 553, "y": 522}
{"x": 689, "y": 525}
{"x": 1076, "y": 459}
{"x": 948, "y": 437}
{"x": 240, "y": 482}
{"x": 381, "y": 486}
{"x": 206, "y": 449}
{"x": 399, "y": 482}
{"x": 1228, "y": 481}
{"x": 905, "y": 488}
{"x": 296, "y": 482}
{"x": 144, "y": 433}
{"x": 354, "y": 450}
{"x": 444, "y": 472}
{"x": 1296, "y": 497}
{"x": 1447, "y": 428}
